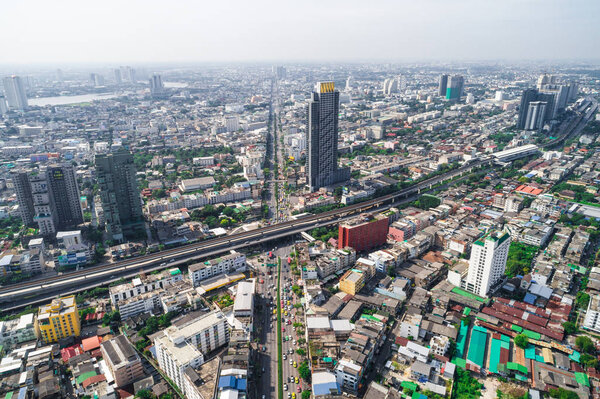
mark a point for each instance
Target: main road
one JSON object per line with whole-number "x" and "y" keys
{"x": 32, "y": 291}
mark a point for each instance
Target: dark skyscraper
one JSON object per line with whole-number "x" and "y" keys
{"x": 157, "y": 88}
{"x": 525, "y": 111}
{"x": 443, "y": 85}
{"x": 62, "y": 185}
{"x": 119, "y": 194}
{"x": 322, "y": 138}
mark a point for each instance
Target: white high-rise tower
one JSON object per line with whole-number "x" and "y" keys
{"x": 488, "y": 262}
{"x": 15, "y": 92}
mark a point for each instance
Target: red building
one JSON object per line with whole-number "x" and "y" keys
{"x": 363, "y": 233}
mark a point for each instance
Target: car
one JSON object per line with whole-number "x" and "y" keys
{"x": 298, "y": 388}
{"x": 264, "y": 348}
{"x": 284, "y": 357}
{"x": 274, "y": 311}
{"x": 297, "y": 381}
{"x": 289, "y": 395}
{"x": 294, "y": 342}
{"x": 285, "y": 387}
{"x": 291, "y": 362}
{"x": 295, "y": 365}
{"x": 291, "y": 351}
{"x": 293, "y": 395}
{"x": 282, "y": 329}
{"x": 263, "y": 397}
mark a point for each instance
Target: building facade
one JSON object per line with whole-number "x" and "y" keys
{"x": 57, "y": 320}
{"x": 487, "y": 262}
{"x": 119, "y": 194}
{"x": 363, "y": 233}
{"x": 322, "y": 138}
{"x": 122, "y": 360}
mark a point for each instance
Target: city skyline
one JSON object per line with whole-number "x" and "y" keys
{"x": 269, "y": 32}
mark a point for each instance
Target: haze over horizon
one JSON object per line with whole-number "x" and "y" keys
{"x": 39, "y": 32}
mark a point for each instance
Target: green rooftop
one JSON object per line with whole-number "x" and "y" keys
{"x": 467, "y": 294}
{"x": 85, "y": 376}
{"x": 409, "y": 384}
{"x": 582, "y": 379}
{"x": 517, "y": 367}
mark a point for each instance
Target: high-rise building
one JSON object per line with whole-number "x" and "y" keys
{"x": 525, "y": 111}
{"x": 455, "y": 87}
{"x": 232, "y": 123}
{"x": 48, "y": 196}
{"x": 3, "y": 105}
{"x": 390, "y": 86}
{"x": 443, "y": 85}
{"x": 322, "y": 138}
{"x": 119, "y": 194}
{"x": 20, "y": 179}
{"x": 184, "y": 345}
{"x": 57, "y": 320}
{"x": 16, "y": 95}
{"x": 118, "y": 77}
{"x": 96, "y": 79}
{"x": 487, "y": 262}
{"x": 157, "y": 88}
{"x": 280, "y": 72}
{"x": 65, "y": 196}
{"x": 122, "y": 360}
{"x": 349, "y": 83}
{"x": 536, "y": 115}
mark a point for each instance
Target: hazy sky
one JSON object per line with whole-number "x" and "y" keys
{"x": 130, "y": 31}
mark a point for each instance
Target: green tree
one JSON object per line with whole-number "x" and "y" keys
{"x": 301, "y": 351}
{"x": 145, "y": 394}
{"x": 562, "y": 393}
{"x": 522, "y": 341}
{"x": 306, "y": 394}
{"x": 570, "y": 327}
{"x": 585, "y": 344}
{"x": 304, "y": 371}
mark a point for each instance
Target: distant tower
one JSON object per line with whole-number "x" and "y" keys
{"x": 349, "y": 82}
{"x": 443, "y": 85}
{"x": 3, "y": 106}
{"x": 15, "y": 92}
{"x": 118, "y": 77}
{"x": 157, "y": 88}
{"x": 487, "y": 262}
{"x": 322, "y": 138}
{"x": 455, "y": 87}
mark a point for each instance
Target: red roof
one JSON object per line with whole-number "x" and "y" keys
{"x": 71, "y": 351}
{"x": 529, "y": 190}
{"x": 93, "y": 380}
{"x": 91, "y": 343}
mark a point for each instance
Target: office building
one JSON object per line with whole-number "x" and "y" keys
{"x": 96, "y": 79}
{"x": 454, "y": 89}
{"x": 65, "y": 196}
{"x": 443, "y": 85}
{"x": 157, "y": 88}
{"x": 390, "y": 86}
{"x": 50, "y": 197}
{"x": 15, "y": 93}
{"x": 487, "y": 262}
{"x": 322, "y": 138}
{"x": 363, "y": 233}
{"x": 185, "y": 344}
{"x": 58, "y": 320}
{"x": 280, "y": 72}
{"x": 122, "y": 360}
{"x": 118, "y": 77}
{"x": 3, "y": 105}
{"x": 531, "y": 116}
{"x": 119, "y": 194}
{"x": 232, "y": 123}
{"x": 536, "y": 113}
{"x": 20, "y": 179}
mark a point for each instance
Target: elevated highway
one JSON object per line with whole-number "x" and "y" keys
{"x": 36, "y": 291}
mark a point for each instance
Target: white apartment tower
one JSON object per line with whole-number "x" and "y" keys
{"x": 488, "y": 262}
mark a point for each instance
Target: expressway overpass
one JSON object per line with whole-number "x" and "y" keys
{"x": 38, "y": 291}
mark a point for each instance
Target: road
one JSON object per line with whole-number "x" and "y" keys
{"x": 266, "y": 321}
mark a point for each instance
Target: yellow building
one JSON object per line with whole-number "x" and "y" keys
{"x": 59, "y": 319}
{"x": 352, "y": 281}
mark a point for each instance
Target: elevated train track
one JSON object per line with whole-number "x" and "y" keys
{"x": 197, "y": 250}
